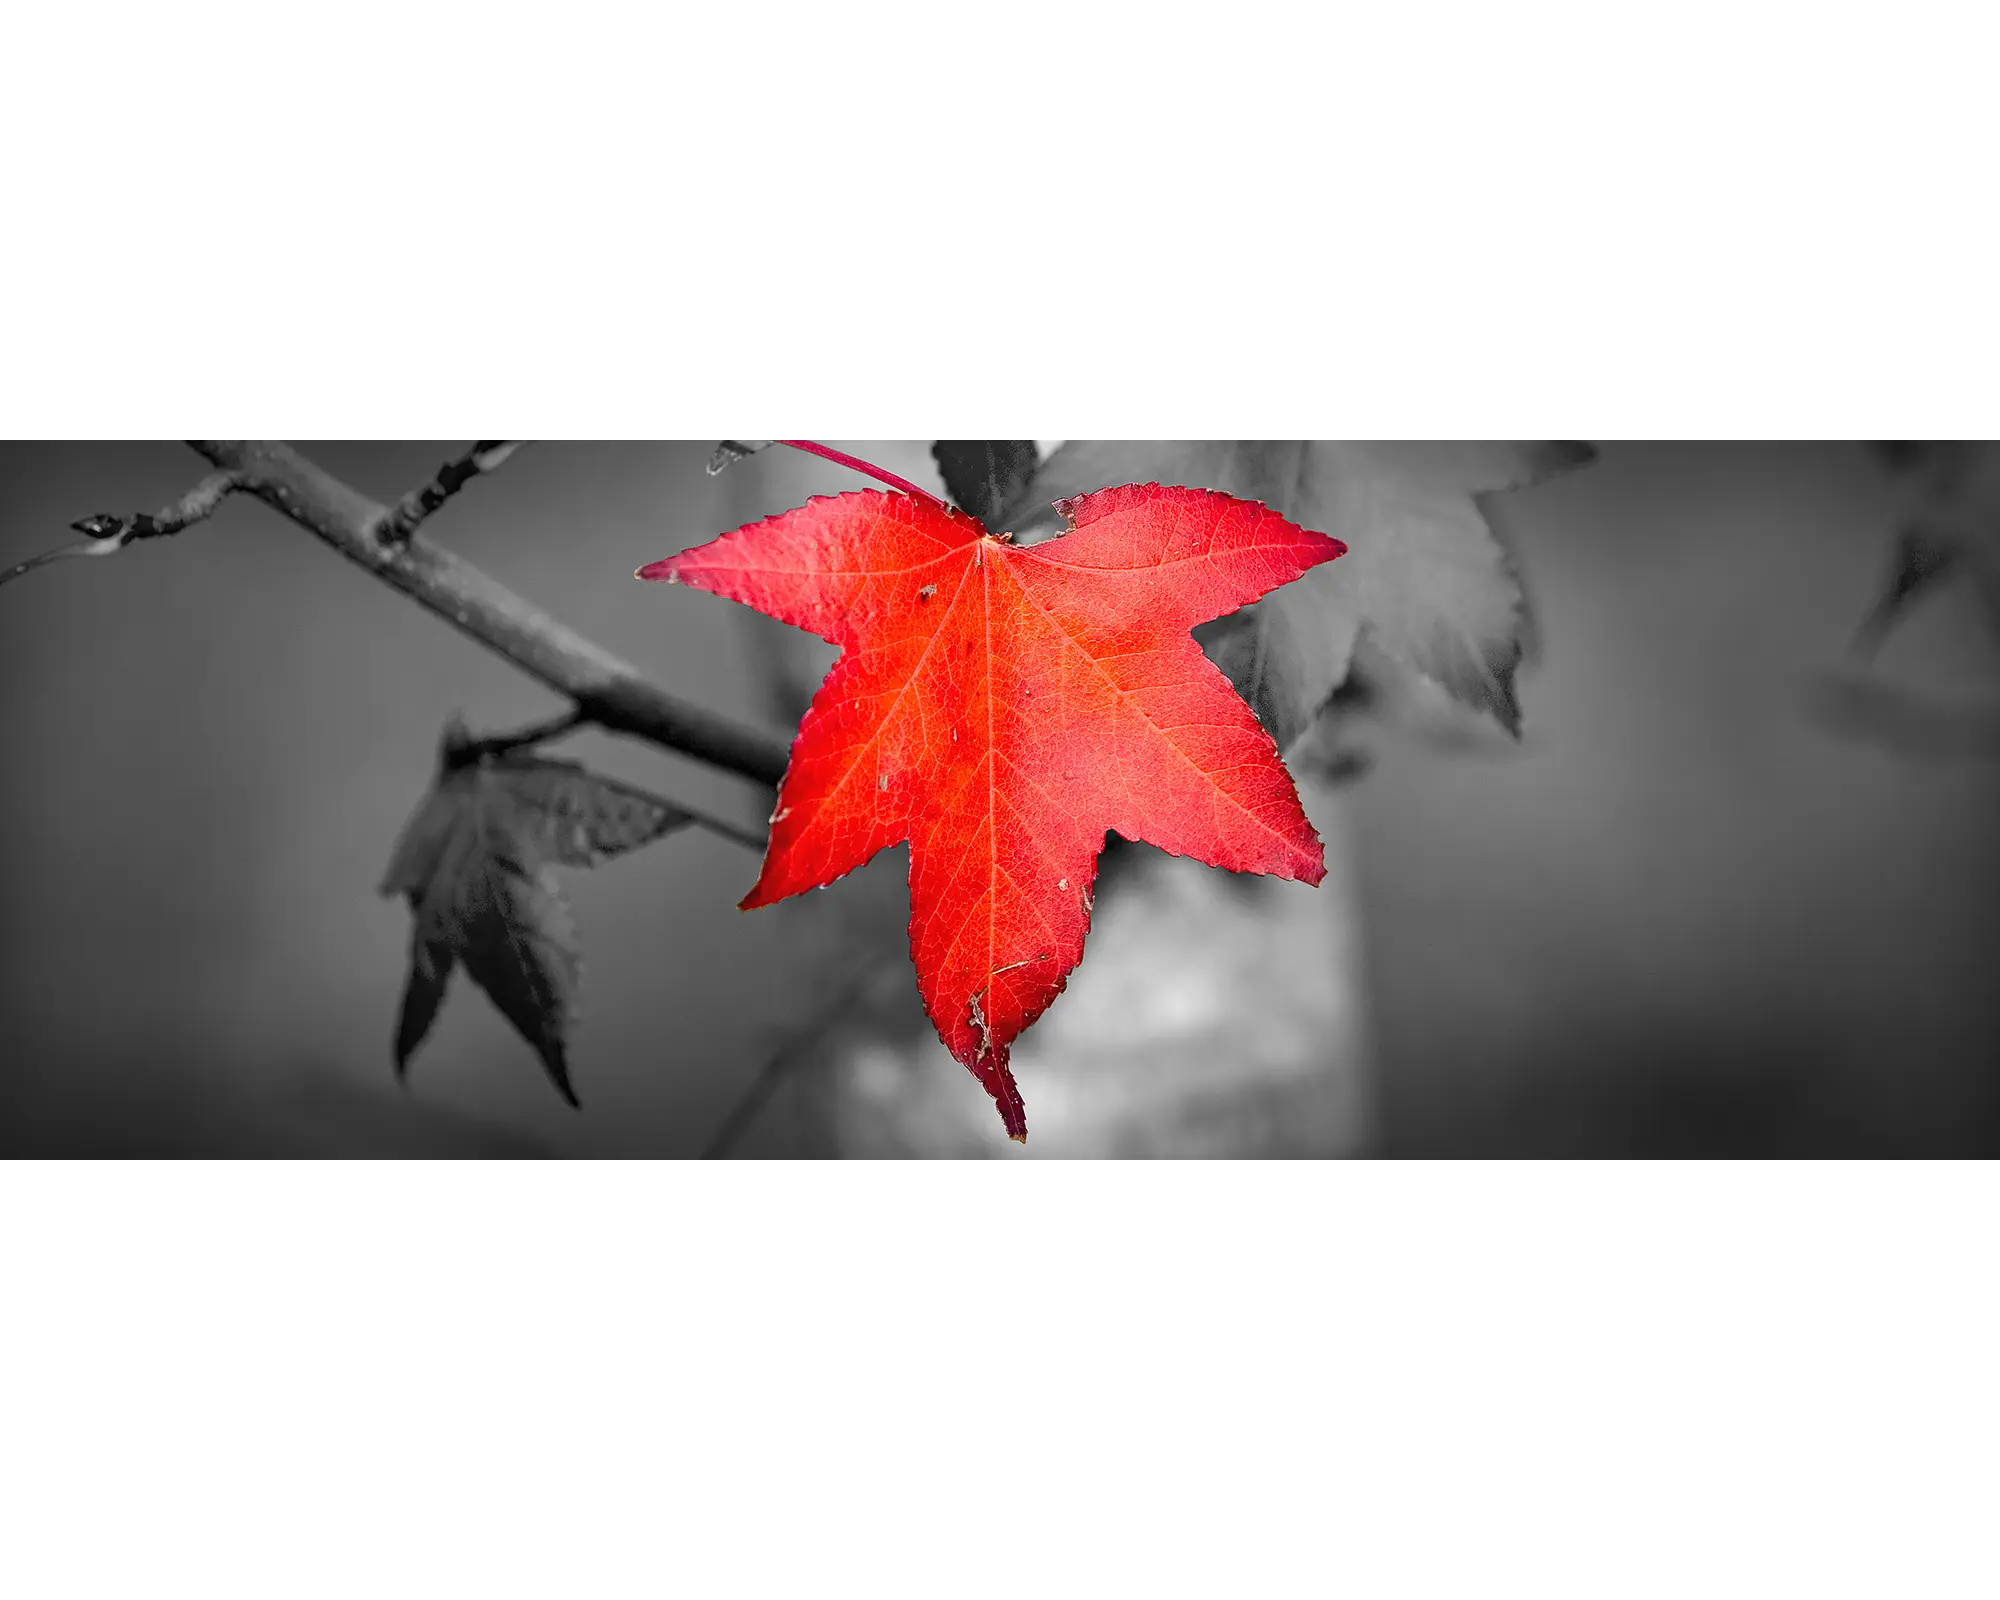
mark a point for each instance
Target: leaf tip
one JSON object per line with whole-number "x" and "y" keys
{"x": 1498, "y": 693}
{"x": 990, "y": 1068}
{"x": 558, "y": 1070}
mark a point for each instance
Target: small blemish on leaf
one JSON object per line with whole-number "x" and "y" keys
{"x": 926, "y": 592}
{"x": 882, "y": 783}
{"x": 979, "y": 1023}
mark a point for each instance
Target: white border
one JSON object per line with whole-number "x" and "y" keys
{"x": 1580, "y": 1379}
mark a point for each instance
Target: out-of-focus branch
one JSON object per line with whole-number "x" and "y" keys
{"x": 1858, "y": 705}
{"x": 105, "y": 534}
{"x": 609, "y": 692}
{"x": 454, "y": 475}
{"x": 750, "y": 1104}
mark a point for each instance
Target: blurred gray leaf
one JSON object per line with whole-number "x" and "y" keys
{"x": 1949, "y": 529}
{"x": 1921, "y": 556}
{"x": 475, "y": 863}
{"x": 985, "y": 476}
{"x": 1424, "y": 577}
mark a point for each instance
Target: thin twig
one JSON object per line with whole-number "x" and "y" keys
{"x": 751, "y": 1103}
{"x": 453, "y": 476}
{"x": 610, "y": 692}
{"x": 105, "y": 534}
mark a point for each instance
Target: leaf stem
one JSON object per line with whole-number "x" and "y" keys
{"x": 752, "y": 841}
{"x": 875, "y": 472}
{"x": 465, "y": 752}
{"x": 462, "y": 750}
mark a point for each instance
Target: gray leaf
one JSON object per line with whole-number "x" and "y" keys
{"x": 476, "y": 863}
{"x": 1424, "y": 575}
{"x": 985, "y": 476}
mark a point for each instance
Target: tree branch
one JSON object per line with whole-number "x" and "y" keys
{"x": 105, "y": 534}
{"x": 1859, "y": 705}
{"x": 607, "y": 690}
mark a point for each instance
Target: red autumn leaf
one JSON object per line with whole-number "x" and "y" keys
{"x": 1000, "y": 707}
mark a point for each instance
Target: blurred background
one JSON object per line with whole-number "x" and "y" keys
{"x": 1702, "y": 908}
